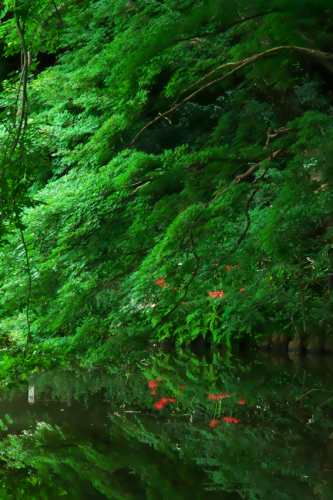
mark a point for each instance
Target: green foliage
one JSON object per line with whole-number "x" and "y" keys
{"x": 140, "y": 158}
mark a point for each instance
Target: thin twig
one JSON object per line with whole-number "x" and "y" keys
{"x": 322, "y": 56}
{"x": 322, "y": 390}
{"x": 29, "y": 289}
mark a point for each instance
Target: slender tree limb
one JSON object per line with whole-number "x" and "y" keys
{"x": 23, "y": 116}
{"x": 250, "y": 171}
{"x": 248, "y": 219}
{"x": 29, "y": 289}
{"x": 243, "y": 20}
{"x": 323, "y": 57}
{"x": 197, "y": 260}
{"x": 57, "y": 9}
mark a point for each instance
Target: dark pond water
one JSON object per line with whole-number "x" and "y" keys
{"x": 172, "y": 427}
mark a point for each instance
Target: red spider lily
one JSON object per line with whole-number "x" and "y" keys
{"x": 175, "y": 288}
{"x": 152, "y": 384}
{"x": 216, "y": 294}
{"x": 159, "y": 405}
{"x": 163, "y": 400}
{"x": 183, "y": 303}
{"x": 154, "y": 393}
{"x": 160, "y": 282}
{"x": 212, "y": 396}
{"x": 231, "y": 420}
{"x": 228, "y": 268}
{"x": 215, "y": 264}
{"x": 159, "y": 378}
{"x": 241, "y": 290}
{"x": 213, "y": 423}
{"x": 181, "y": 386}
{"x": 240, "y": 402}
{"x": 172, "y": 400}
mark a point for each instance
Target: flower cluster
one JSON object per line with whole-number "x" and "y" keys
{"x": 216, "y": 294}
{"x": 231, "y": 420}
{"x": 162, "y": 402}
{"x": 213, "y": 423}
{"x": 220, "y": 396}
{"x": 161, "y": 282}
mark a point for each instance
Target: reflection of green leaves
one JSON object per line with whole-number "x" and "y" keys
{"x": 266, "y": 451}
{"x": 3, "y": 426}
{"x": 8, "y": 419}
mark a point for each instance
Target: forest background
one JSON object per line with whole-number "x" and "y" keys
{"x": 165, "y": 173}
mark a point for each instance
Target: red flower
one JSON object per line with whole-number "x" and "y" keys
{"x": 163, "y": 400}
{"x": 228, "y": 268}
{"x": 183, "y": 303}
{"x": 175, "y": 288}
{"x": 216, "y": 264}
{"x": 212, "y": 396}
{"x": 213, "y": 423}
{"x": 240, "y": 402}
{"x": 160, "y": 282}
{"x": 172, "y": 400}
{"x": 216, "y": 294}
{"x": 181, "y": 386}
{"x": 154, "y": 393}
{"x": 159, "y": 405}
{"x": 241, "y": 290}
{"x": 152, "y": 384}
{"x": 159, "y": 378}
{"x": 231, "y": 420}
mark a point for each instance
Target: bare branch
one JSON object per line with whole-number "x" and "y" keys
{"x": 243, "y": 20}
{"x": 321, "y": 56}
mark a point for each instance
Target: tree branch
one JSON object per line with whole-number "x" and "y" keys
{"x": 322, "y": 56}
{"x": 243, "y": 20}
{"x": 29, "y": 289}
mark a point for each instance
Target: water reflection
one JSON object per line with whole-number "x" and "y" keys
{"x": 172, "y": 427}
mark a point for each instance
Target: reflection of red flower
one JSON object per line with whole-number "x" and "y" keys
{"x": 159, "y": 378}
{"x": 241, "y": 290}
{"x": 161, "y": 403}
{"x": 231, "y": 420}
{"x": 153, "y": 392}
{"x": 213, "y": 423}
{"x": 181, "y": 386}
{"x": 152, "y": 384}
{"x": 220, "y": 396}
{"x": 216, "y": 294}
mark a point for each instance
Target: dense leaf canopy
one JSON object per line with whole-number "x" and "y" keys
{"x": 166, "y": 170}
